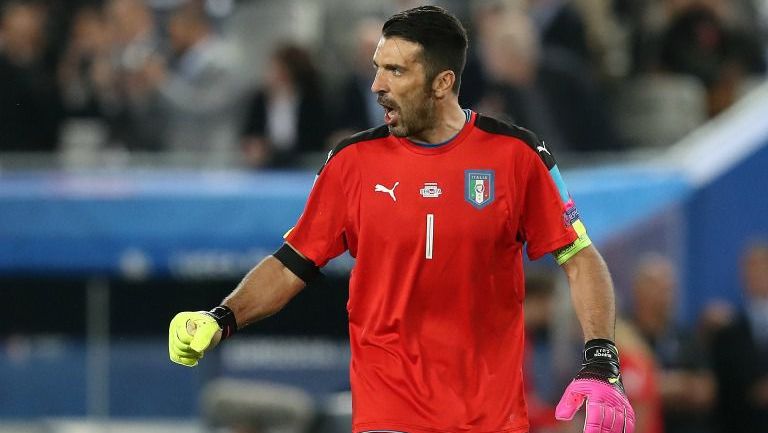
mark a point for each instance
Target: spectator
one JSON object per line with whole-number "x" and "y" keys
{"x": 548, "y": 91}
{"x": 358, "y": 109}
{"x": 511, "y": 52}
{"x": 697, "y": 42}
{"x": 30, "y": 109}
{"x": 122, "y": 83}
{"x": 286, "y": 116}
{"x": 561, "y": 27}
{"x": 686, "y": 385}
{"x": 199, "y": 95}
{"x": 704, "y": 39}
{"x": 543, "y": 383}
{"x": 641, "y": 382}
{"x": 740, "y": 352}
{"x": 85, "y": 57}
{"x": 713, "y": 317}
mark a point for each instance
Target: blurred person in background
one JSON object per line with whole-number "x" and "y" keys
{"x": 550, "y": 90}
{"x": 357, "y": 108}
{"x": 85, "y": 77}
{"x": 511, "y": 53}
{"x": 699, "y": 42}
{"x": 716, "y": 41}
{"x": 198, "y": 89}
{"x": 85, "y": 57}
{"x": 740, "y": 352}
{"x": 287, "y": 117}
{"x": 686, "y": 383}
{"x": 121, "y": 81}
{"x": 543, "y": 381}
{"x": 713, "y": 317}
{"x": 606, "y": 40}
{"x": 641, "y": 380}
{"x": 30, "y": 107}
{"x": 561, "y": 26}
{"x": 436, "y": 326}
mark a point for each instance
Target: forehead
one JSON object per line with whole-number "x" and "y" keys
{"x": 397, "y": 51}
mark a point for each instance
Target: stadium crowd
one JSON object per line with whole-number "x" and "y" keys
{"x": 171, "y": 76}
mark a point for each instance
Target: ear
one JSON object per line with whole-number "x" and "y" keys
{"x": 442, "y": 85}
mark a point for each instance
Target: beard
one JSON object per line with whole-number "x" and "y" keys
{"x": 416, "y": 115}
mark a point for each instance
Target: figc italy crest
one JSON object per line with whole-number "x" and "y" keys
{"x": 478, "y": 187}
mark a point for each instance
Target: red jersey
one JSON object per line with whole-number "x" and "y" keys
{"x": 436, "y": 294}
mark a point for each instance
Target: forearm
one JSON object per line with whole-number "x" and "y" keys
{"x": 592, "y": 293}
{"x": 263, "y": 292}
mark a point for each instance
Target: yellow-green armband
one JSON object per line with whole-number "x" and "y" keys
{"x": 564, "y": 254}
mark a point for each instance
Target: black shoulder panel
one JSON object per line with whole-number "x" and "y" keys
{"x": 496, "y": 126}
{"x": 367, "y": 135}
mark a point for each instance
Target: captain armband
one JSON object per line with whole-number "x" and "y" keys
{"x": 564, "y": 254}
{"x": 303, "y": 268}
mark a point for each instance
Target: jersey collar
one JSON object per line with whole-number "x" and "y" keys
{"x": 429, "y": 148}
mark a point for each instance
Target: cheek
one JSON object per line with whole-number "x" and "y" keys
{"x": 415, "y": 101}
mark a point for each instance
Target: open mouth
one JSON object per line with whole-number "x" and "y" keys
{"x": 391, "y": 112}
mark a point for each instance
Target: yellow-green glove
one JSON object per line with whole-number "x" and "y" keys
{"x": 192, "y": 333}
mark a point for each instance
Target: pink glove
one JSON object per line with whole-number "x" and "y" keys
{"x": 599, "y": 384}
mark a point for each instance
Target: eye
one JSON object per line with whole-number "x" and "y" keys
{"x": 395, "y": 70}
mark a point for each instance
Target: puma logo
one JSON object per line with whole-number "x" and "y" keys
{"x": 541, "y": 148}
{"x": 391, "y": 192}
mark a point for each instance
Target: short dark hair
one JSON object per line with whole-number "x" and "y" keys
{"x": 442, "y": 36}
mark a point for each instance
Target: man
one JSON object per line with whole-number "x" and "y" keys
{"x": 436, "y": 206}
{"x": 741, "y": 358}
{"x": 199, "y": 100}
{"x": 30, "y": 109}
{"x": 686, "y": 385}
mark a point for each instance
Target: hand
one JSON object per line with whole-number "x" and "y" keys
{"x": 599, "y": 384}
{"x": 190, "y": 335}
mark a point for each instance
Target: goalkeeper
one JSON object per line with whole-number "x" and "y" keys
{"x": 436, "y": 206}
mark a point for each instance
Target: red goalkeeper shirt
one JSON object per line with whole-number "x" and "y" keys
{"x": 436, "y": 294}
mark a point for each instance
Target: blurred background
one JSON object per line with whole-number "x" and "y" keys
{"x": 151, "y": 152}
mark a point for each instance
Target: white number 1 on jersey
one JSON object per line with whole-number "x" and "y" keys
{"x": 430, "y": 235}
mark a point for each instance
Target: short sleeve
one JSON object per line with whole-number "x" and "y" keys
{"x": 542, "y": 222}
{"x": 319, "y": 233}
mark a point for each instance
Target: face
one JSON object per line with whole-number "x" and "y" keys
{"x": 654, "y": 292}
{"x": 755, "y": 272}
{"x": 22, "y": 30}
{"x": 180, "y": 32}
{"x": 402, "y": 87}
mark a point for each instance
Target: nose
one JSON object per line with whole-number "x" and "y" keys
{"x": 379, "y": 84}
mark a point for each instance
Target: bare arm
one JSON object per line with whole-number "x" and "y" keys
{"x": 263, "y": 292}
{"x": 592, "y": 293}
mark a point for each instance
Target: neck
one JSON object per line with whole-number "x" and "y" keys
{"x": 450, "y": 118}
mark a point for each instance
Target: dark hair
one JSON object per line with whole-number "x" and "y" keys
{"x": 298, "y": 64}
{"x": 443, "y": 38}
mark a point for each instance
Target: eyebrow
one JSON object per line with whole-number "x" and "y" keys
{"x": 390, "y": 66}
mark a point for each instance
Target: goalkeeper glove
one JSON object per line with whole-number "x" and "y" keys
{"x": 599, "y": 384}
{"x": 191, "y": 333}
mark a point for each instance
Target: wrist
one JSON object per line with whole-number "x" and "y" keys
{"x": 600, "y": 350}
{"x": 225, "y": 318}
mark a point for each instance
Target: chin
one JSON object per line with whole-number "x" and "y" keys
{"x": 399, "y": 131}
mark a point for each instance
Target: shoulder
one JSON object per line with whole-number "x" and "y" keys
{"x": 359, "y": 138}
{"x": 501, "y": 128}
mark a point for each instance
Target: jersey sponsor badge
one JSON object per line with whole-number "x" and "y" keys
{"x": 571, "y": 213}
{"x": 430, "y": 190}
{"x": 478, "y": 187}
